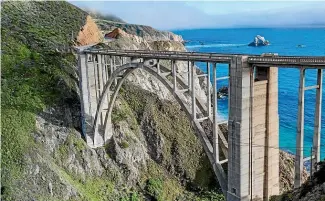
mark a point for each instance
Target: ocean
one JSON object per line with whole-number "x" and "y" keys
{"x": 285, "y": 42}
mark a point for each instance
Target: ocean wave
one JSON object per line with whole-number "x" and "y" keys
{"x": 214, "y": 45}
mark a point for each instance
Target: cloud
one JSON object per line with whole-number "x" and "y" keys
{"x": 185, "y": 15}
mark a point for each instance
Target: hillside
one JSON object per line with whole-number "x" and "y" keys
{"x": 34, "y": 74}
{"x": 43, "y": 154}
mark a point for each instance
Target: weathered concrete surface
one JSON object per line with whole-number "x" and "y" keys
{"x": 265, "y": 139}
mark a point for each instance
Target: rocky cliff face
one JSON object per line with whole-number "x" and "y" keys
{"x": 312, "y": 190}
{"x": 89, "y": 33}
{"x": 146, "y": 32}
{"x": 287, "y": 172}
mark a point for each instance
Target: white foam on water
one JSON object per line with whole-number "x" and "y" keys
{"x": 214, "y": 45}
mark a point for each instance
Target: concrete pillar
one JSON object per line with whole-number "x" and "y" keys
{"x": 317, "y": 125}
{"x": 239, "y": 132}
{"x": 91, "y": 75}
{"x": 89, "y": 90}
{"x": 158, "y": 67}
{"x": 84, "y": 100}
{"x": 189, "y": 75}
{"x": 271, "y": 180}
{"x": 102, "y": 132}
{"x": 253, "y": 154}
{"x": 193, "y": 76}
{"x": 174, "y": 74}
{"x": 111, "y": 65}
{"x": 215, "y": 129}
{"x": 114, "y": 68}
{"x": 100, "y": 82}
{"x": 299, "y": 160}
{"x": 265, "y": 134}
{"x": 209, "y": 90}
{"x": 108, "y": 130}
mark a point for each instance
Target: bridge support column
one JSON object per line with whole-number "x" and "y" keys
{"x": 239, "y": 133}
{"x": 299, "y": 160}
{"x": 215, "y": 140}
{"x": 193, "y": 75}
{"x": 209, "y": 90}
{"x": 271, "y": 156}
{"x": 253, "y": 167}
{"x": 317, "y": 125}
{"x": 174, "y": 75}
{"x": 189, "y": 75}
{"x": 86, "y": 118}
{"x": 92, "y": 75}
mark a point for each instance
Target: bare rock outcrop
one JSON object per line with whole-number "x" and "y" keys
{"x": 146, "y": 32}
{"x": 89, "y": 33}
{"x": 287, "y": 171}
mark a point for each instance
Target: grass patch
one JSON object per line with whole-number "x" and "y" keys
{"x": 118, "y": 115}
{"x": 154, "y": 188}
{"x": 94, "y": 189}
{"x": 124, "y": 144}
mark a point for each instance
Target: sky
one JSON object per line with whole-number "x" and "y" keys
{"x": 174, "y": 15}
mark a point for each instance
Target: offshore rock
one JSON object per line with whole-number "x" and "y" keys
{"x": 259, "y": 41}
{"x": 222, "y": 92}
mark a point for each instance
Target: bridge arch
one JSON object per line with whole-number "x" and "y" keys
{"x": 126, "y": 70}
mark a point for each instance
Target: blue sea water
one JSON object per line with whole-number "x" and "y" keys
{"x": 284, "y": 42}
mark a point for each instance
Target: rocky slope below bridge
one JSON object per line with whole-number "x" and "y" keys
{"x": 312, "y": 190}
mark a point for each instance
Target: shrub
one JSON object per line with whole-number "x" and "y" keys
{"x": 124, "y": 144}
{"x": 154, "y": 188}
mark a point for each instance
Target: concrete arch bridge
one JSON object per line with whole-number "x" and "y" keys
{"x": 250, "y": 151}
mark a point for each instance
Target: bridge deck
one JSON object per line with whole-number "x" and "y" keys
{"x": 266, "y": 60}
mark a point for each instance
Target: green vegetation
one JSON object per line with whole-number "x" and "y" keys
{"x": 34, "y": 74}
{"x": 118, "y": 115}
{"x": 133, "y": 196}
{"x": 93, "y": 189}
{"x": 166, "y": 119}
{"x": 124, "y": 144}
{"x": 154, "y": 188}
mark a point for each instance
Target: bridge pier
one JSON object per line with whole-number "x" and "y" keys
{"x": 317, "y": 124}
{"x": 253, "y": 167}
{"x": 92, "y": 77}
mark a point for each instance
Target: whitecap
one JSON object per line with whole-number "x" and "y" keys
{"x": 214, "y": 45}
